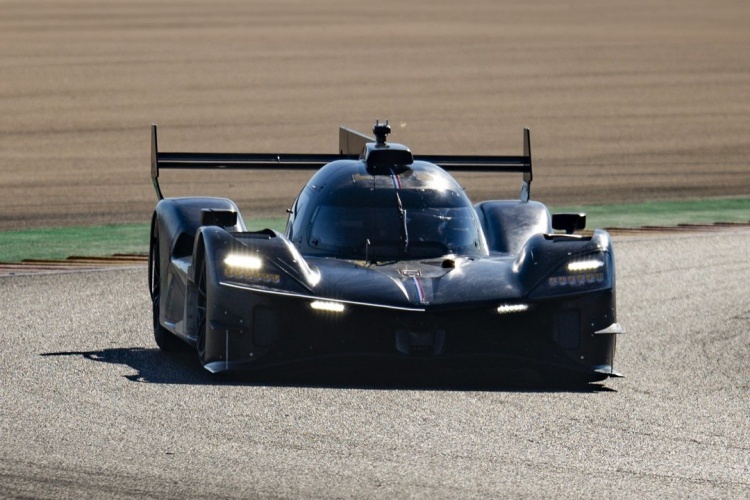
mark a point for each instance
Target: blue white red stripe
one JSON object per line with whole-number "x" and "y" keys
{"x": 396, "y": 180}
{"x": 420, "y": 290}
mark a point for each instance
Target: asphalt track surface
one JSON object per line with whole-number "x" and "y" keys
{"x": 89, "y": 406}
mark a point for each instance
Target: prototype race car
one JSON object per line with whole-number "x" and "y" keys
{"x": 383, "y": 256}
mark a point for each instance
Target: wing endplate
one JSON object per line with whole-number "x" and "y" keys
{"x": 352, "y": 142}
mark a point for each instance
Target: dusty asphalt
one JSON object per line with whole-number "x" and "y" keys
{"x": 627, "y": 100}
{"x": 91, "y": 408}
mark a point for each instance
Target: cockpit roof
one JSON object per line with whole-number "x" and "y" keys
{"x": 414, "y": 211}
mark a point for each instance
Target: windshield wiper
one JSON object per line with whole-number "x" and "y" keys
{"x": 404, "y": 229}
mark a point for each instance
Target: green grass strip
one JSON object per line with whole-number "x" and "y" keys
{"x": 59, "y": 243}
{"x": 663, "y": 213}
{"x": 89, "y": 241}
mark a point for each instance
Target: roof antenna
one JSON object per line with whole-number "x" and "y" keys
{"x": 381, "y": 132}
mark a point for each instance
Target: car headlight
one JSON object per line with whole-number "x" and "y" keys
{"x": 235, "y": 261}
{"x": 248, "y": 267}
{"x": 582, "y": 274}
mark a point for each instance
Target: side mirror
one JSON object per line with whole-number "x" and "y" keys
{"x": 221, "y": 218}
{"x": 570, "y": 223}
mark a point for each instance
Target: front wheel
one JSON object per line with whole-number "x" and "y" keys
{"x": 166, "y": 341}
{"x": 201, "y": 310}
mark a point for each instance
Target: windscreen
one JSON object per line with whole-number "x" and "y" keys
{"x": 385, "y": 224}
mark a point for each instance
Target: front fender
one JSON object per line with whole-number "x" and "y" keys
{"x": 241, "y": 270}
{"x": 180, "y": 219}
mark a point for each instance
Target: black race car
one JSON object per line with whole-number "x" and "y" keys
{"x": 383, "y": 256}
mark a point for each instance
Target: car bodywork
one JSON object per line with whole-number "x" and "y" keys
{"x": 383, "y": 256}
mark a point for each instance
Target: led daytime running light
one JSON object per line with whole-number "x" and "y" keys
{"x": 512, "y": 308}
{"x": 322, "y": 305}
{"x": 248, "y": 268}
{"x": 585, "y": 265}
{"x": 243, "y": 261}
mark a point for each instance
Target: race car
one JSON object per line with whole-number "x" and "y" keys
{"x": 383, "y": 257}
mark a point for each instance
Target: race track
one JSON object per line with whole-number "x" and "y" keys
{"x": 89, "y": 407}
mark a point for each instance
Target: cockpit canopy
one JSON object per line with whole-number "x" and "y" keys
{"x": 413, "y": 212}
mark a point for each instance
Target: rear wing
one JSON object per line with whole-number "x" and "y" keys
{"x": 352, "y": 145}
{"x": 231, "y": 161}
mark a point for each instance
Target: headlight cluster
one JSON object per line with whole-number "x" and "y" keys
{"x": 586, "y": 274}
{"x": 248, "y": 268}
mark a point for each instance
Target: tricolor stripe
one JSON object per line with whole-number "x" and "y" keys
{"x": 420, "y": 290}
{"x": 396, "y": 180}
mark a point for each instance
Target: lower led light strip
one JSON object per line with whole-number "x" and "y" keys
{"x": 322, "y": 305}
{"x": 512, "y": 308}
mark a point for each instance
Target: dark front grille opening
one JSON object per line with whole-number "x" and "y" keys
{"x": 422, "y": 343}
{"x": 265, "y": 326}
{"x": 568, "y": 329}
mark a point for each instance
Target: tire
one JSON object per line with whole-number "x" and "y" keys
{"x": 201, "y": 313}
{"x": 166, "y": 341}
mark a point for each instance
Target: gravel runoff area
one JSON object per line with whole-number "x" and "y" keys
{"x": 627, "y": 101}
